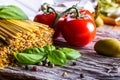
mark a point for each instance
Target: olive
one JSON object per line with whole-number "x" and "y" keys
{"x": 108, "y": 47}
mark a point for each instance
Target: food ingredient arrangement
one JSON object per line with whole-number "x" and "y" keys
{"x": 27, "y": 42}
{"x": 17, "y": 35}
{"x": 37, "y": 55}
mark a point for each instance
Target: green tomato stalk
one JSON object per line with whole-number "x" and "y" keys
{"x": 47, "y": 9}
{"x": 58, "y": 16}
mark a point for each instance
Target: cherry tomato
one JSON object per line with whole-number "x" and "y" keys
{"x": 48, "y": 19}
{"x": 78, "y": 31}
{"x": 44, "y": 18}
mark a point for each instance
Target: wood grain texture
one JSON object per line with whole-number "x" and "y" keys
{"x": 90, "y": 66}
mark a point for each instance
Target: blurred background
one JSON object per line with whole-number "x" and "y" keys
{"x": 109, "y": 9}
{"x": 31, "y": 7}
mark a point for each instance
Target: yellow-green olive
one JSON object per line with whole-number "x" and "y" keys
{"x": 108, "y": 47}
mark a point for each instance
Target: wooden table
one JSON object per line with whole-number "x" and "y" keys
{"x": 90, "y": 67}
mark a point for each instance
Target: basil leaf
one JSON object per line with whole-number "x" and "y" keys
{"x": 25, "y": 58}
{"x": 49, "y": 48}
{"x": 1, "y": 7}
{"x": 71, "y": 54}
{"x": 57, "y": 57}
{"x": 34, "y": 51}
{"x": 12, "y": 12}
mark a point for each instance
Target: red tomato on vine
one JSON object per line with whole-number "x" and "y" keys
{"x": 45, "y": 18}
{"x": 78, "y": 28}
{"x": 78, "y": 31}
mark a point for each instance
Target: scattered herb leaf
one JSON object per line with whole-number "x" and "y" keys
{"x": 24, "y": 58}
{"x": 57, "y": 57}
{"x": 48, "y": 49}
{"x": 35, "y": 51}
{"x": 71, "y": 54}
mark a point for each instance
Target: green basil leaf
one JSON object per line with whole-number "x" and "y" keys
{"x": 34, "y": 51}
{"x": 57, "y": 57}
{"x": 71, "y": 54}
{"x": 49, "y": 48}
{"x": 15, "y": 55}
{"x": 1, "y": 7}
{"x": 25, "y": 58}
{"x": 12, "y": 12}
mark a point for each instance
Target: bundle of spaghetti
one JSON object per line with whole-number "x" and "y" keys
{"x": 17, "y": 35}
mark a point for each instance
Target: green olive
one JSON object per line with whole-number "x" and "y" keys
{"x": 108, "y": 47}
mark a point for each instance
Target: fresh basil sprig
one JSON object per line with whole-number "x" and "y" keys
{"x": 55, "y": 56}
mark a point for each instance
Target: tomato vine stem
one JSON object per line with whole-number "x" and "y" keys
{"x": 59, "y": 15}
